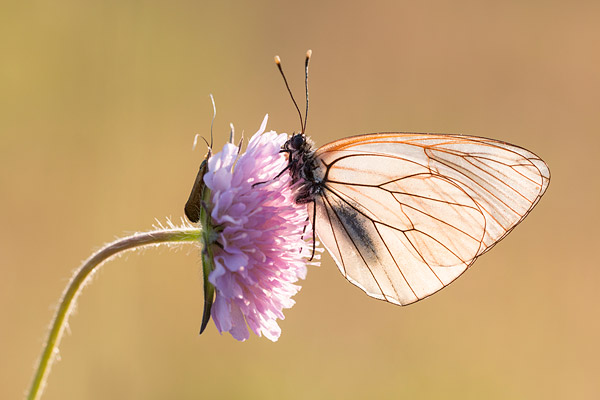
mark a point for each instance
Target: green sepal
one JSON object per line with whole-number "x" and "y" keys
{"x": 209, "y": 289}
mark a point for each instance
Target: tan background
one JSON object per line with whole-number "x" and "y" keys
{"x": 99, "y": 104}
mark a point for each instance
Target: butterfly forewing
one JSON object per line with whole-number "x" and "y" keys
{"x": 405, "y": 214}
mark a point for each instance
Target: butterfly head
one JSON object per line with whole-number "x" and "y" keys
{"x": 297, "y": 142}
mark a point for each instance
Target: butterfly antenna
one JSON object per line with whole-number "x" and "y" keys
{"x": 278, "y": 62}
{"x": 212, "y": 99}
{"x": 308, "y": 55}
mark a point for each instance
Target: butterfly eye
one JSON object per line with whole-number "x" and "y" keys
{"x": 297, "y": 141}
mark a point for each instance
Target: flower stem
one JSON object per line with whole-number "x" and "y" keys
{"x": 78, "y": 281}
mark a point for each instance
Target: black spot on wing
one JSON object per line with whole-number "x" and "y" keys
{"x": 357, "y": 227}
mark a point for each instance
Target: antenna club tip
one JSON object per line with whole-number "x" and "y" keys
{"x": 308, "y": 53}
{"x": 277, "y": 60}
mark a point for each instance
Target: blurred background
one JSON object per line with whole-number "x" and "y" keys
{"x": 99, "y": 105}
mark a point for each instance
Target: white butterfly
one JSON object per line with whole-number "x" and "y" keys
{"x": 404, "y": 214}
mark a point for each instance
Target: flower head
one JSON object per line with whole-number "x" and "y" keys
{"x": 261, "y": 246}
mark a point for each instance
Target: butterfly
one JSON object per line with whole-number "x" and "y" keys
{"x": 404, "y": 214}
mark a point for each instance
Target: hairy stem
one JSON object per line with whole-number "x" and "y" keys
{"x": 78, "y": 281}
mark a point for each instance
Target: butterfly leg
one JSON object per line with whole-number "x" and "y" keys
{"x": 279, "y": 174}
{"x": 314, "y": 239}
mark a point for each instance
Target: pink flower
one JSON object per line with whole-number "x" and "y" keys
{"x": 261, "y": 248}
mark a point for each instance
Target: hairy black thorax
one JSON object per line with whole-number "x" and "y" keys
{"x": 302, "y": 165}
